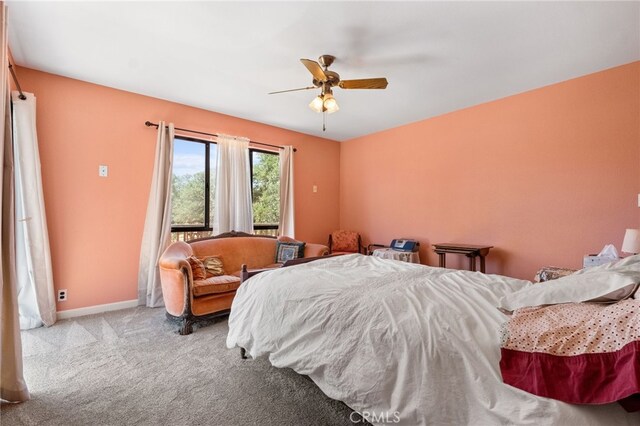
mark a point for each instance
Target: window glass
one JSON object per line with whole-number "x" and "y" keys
{"x": 265, "y": 182}
{"x": 188, "y": 189}
{"x": 193, "y": 198}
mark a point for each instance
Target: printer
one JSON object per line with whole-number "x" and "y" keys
{"x": 405, "y": 245}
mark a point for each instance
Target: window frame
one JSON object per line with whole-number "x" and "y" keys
{"x": 260, "y": 227}
{"x": 208, "y": 225}
{"x": 207, "y": 189}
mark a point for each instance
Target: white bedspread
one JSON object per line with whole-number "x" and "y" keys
{"x": 396, "y": 340}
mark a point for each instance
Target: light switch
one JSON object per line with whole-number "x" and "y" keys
{"x": 315, "y": 189}
{"x": 103, "y": 171}
{"x": 638, "y": 200}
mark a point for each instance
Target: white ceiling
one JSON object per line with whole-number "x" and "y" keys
{"x": 226, "y": 56}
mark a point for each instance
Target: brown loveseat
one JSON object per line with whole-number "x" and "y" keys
{"x": 188, "y": 300}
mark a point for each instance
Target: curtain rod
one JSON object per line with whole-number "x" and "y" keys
{"x": 15, "y": 80}
{"x": 150, "y": 124}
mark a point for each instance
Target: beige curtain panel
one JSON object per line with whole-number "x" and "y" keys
{"x": 12, "y": 385}
{"x": 33, "y": 258}
{"x": 287, "y": 220}
{"x": 157, "y": 226}
{"x": 234, "y": 210}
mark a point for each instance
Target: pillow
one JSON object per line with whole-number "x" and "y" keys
{"x": 287, "y": 251}
{"x": 598, "y": 286}
{"x": 213, "y": 266}
{"x": 197, "y": 268}
{"x": 629, "y": 263}
{"x": 549, "y": 273}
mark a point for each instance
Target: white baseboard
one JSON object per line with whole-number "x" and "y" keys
{"x": 96, "y": 309}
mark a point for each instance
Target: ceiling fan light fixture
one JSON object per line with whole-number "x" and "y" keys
{"x": 317, "y": 104}
{"x": 330, "y": 104}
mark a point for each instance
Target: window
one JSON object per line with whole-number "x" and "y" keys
{"x": 265, "y": 191}
{"x": 193, "y": 190}
{"x": 194, "y": 163}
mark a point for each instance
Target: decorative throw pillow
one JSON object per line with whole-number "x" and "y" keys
{"x": 288, "y": 251}
{"x": 197, "y": 268}
{"x": 213, "y": 266}
{"x": 549, "y": 273}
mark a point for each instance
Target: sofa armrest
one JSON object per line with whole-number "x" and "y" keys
{"x": 174, "y": 262}
{"x": 315, "y": 250}
{"x": 176, "y": 278}
{"x": 175, "y": 256}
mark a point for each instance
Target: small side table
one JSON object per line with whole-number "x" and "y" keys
{"x": 469, "y": 250}
{"x": 404, "y": 256}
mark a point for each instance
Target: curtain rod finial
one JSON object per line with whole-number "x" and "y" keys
{"x": 147, "y": 123}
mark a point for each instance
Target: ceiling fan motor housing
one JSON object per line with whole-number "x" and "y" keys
{"x": 333, "y": 78}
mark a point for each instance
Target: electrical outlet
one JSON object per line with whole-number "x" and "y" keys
{"x": 62, "y": 295}
{"x": 103, "y": 171}
{"x": 315, "y": 188}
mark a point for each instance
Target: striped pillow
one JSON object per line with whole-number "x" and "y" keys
{"x": 197, "y": 268}
{"x": 213, "y": 266}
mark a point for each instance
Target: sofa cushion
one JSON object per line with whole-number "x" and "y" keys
{"x": 288, "y": 251}
{"x": 212, "y": 285}
{"x": 213, "y": 266}
{"x": 197, "y": 268}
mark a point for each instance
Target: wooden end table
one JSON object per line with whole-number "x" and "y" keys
{"x": 469, "y": 250}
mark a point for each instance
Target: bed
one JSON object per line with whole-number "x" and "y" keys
{"x": 399, "y": 343}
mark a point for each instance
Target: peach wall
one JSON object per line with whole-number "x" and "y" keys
{"x": 95, "y": 224}
{"x": 544, "y": 176}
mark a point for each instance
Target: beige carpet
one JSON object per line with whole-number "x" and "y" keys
{"x": 130, "y": 367}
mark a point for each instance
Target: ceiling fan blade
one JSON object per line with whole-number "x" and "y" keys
{"x": 367, "y": 83}
{"x": 315, "y": 69}
{"x": 292, "y": 90}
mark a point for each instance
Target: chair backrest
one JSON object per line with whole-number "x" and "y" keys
{"x": 344, "y": 241}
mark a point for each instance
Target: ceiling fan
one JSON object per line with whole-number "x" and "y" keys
{"x": 325, "y": 80}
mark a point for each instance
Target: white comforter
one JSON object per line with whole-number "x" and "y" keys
{"x": 396, "y": 340}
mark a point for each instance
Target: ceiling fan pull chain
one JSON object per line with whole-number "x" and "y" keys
{"x": 324, "y": 116}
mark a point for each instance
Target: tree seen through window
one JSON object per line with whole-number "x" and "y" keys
{"x": 265, "y": 182}
{"x": 191, "y": 194}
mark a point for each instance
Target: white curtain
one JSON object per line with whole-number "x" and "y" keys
{"x": 12, "y": 385}
{"x": 157, "y": 225}
{"x": 233, "y": 208}
{"x": 36, "y": 298}
{"x": 287, "y": 220}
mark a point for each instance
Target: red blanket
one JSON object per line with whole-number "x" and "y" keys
{"x": 581, "y": 353}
